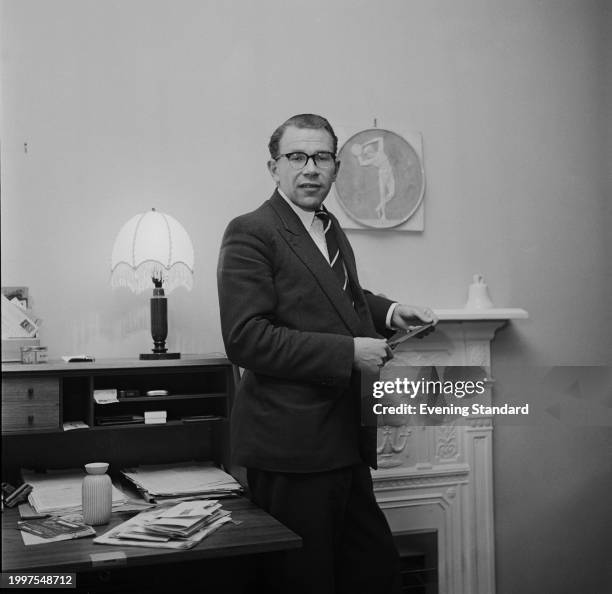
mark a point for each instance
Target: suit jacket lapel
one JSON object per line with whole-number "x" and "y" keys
{"x": 301, "y": 243}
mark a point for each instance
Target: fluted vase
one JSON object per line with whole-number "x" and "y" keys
{"x": 97, "y": 494}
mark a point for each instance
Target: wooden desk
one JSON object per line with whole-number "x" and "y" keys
{"x": 38, "y": 399}
{"x": 148, "y": 569}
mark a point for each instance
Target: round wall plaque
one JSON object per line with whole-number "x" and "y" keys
{"x": 381, "y": 181}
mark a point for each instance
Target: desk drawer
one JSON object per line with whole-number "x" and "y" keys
{"x": 20, "y": 416}
{"x": 30, "y": 389}
{"x": 30, "y": 403}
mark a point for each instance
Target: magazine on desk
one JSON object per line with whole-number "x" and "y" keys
{"x": 45, "y": 530}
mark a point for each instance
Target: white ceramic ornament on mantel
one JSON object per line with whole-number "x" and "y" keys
{"x": 478, "y": 294}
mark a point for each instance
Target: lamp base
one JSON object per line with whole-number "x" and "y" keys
{"x": 154, "y": 356}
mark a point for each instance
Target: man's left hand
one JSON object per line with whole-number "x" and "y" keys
{"x": 407, "y": 317}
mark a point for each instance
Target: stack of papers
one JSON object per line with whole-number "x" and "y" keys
{"x": 152, "y": 417}
{"x": 179, "y": 521}
{"x": 179, "y": 526}
{"x": 185, "y": 519}
{"x": 59, "y": 491}
{"x": 180, "y": 481}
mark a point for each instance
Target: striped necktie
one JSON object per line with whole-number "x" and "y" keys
{"x": 335, "y": 257}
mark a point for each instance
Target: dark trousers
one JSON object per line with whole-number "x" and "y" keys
{"x": 347, "y": 544}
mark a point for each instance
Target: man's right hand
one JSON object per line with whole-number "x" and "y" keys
{"x": 370, "y": 353}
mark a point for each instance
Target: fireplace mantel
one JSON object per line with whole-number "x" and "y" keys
{"x": 495, "y": 313}
{"x": 440, "y": 478}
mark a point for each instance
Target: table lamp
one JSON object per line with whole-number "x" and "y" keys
{"x": 153, "y": 248}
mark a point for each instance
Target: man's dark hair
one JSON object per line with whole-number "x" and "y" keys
{"x": 303, "y": 120}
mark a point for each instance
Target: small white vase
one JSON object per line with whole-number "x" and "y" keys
{"x": 97, "y": 494}
{"x": 478, "y": 294}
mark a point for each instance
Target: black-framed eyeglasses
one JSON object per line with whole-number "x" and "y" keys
{"x": 298, "y": 160}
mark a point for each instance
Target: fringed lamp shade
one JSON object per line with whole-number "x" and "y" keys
{"x": 152, "y": 245}
{"x": 153, "y": 250}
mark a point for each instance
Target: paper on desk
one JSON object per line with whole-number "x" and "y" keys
{"x": 60, "y": 490}
{"x": 188, "y": 509}
{"x": 70, "y": 425}
{"x": 175, "y": 522}
{"x": 52, "y": 529}
{"x": 78, "y": 358}
{"x": 137, "y": 524}
{"x": 133, "y": 504}
{"x": 191, "y": 478}
{"x": 27, "y": 512}
{"x": 32, "y": 539}
{"x": 105, "y": 396}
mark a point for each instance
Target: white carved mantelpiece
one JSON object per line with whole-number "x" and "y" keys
{"x": 440, "y": 478}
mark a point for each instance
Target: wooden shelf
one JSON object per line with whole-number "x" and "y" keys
{"x": 20, "y": 432}
{"x": 173, "y": 423}
{"x": 169, "y": 397}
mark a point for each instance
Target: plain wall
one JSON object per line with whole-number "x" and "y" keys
{"x": 127, "y": 105}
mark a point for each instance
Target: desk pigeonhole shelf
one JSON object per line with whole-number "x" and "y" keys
{"x": 39, "y": 400}
{"x": 192, "y": 397}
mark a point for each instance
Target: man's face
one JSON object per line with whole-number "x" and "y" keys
{"x": 306, "y": 187}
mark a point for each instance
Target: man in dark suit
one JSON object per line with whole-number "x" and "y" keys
{"x": 295, "y": 317}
